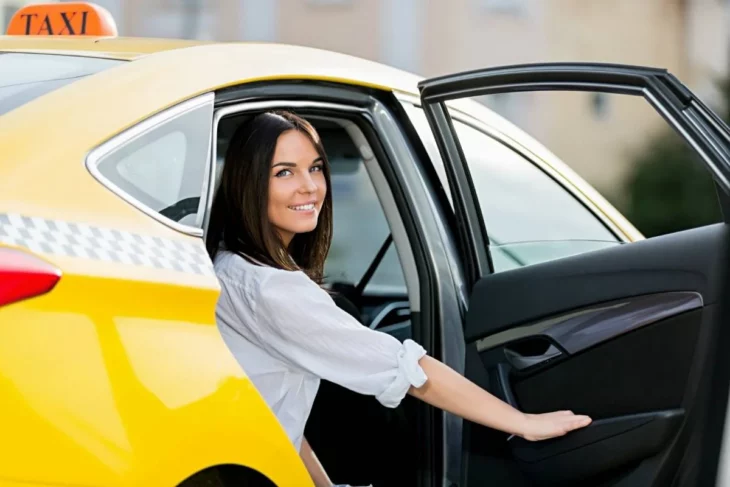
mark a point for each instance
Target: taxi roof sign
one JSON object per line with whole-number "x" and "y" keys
{"x": 62, "y": 19}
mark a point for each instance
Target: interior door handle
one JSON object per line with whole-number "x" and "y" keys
{"x": 520, "y": 361}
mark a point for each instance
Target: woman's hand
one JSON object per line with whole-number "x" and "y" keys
{"x": 550, "y": 425}
{"x": 448, "y": 390}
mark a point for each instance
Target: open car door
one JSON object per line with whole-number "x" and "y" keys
{"x": 625, "y": 334}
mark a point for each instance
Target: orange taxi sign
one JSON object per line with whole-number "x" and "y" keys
{"x": 62, "y": 19}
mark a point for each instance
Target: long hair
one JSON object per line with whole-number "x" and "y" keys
{"x": 239, "y": 216}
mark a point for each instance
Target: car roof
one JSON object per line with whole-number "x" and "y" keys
{"x": 164, "y": 72}
{"x": 172, "y": 70}
{"x": 319, "y": 61}
{"x": 126, "y": 48}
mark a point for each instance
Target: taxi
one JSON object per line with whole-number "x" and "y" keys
{"x": 452, "y": 226}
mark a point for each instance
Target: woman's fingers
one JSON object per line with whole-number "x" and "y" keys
{"x": 551, "y": 425}
{"x": 574, "y": 422}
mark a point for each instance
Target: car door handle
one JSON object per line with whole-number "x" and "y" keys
{"x": 521, "y": 361}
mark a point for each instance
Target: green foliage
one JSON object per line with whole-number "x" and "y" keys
{"x": 669, "y": 189}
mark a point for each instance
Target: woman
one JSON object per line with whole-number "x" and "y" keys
{"x": 269, "y": 234}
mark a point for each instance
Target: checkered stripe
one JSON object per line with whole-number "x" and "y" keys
{"x": 57, "y": 237}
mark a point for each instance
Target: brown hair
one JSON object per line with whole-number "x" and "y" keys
{"x": 239, "y": 216}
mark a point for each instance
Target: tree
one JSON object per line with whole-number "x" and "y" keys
{"x": 669, "y": 189}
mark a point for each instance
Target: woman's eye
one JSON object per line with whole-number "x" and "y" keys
{"x": 316, "y": 168}
{"x": 282, "y": 173}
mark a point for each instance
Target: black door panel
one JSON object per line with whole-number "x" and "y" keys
{"x": 658, "y": 293}
{"x": 685, "y": 261}
{"x": 642, "y": 371}
{"x": 605, "y": 446}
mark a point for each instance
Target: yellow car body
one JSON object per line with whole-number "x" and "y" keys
{"x": 118, "y": 376}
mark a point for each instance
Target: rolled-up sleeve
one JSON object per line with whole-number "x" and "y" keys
{"x": 299, "y": 323}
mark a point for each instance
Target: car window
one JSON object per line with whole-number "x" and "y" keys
{"x": 26, "y": 76}
{"x": 530, "y": 217}
{"x": 360, "y": 226}
{"x": 164, "y": 167}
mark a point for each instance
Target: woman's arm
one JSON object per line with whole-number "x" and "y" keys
{"x": 315, "y": 469}
{"x": 448, "y": 390}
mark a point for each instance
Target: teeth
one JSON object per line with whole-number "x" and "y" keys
{"x": 303, "y": 207}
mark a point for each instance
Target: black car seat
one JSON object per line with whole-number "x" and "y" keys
{"x": 358, "y": 440}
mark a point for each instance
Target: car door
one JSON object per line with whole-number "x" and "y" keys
{"x": 626, "y": 334}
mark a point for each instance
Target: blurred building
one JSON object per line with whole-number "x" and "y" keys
{"x": 432, "y": 37}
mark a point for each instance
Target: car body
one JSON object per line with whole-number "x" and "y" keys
{"x": 116, "y": 374}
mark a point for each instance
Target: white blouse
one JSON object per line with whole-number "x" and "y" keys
{"x": 287, "y": 334}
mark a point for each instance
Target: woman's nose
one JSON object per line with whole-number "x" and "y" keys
{"x": 308, "y": 185}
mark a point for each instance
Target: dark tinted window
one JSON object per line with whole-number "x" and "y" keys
{"x": 24, "y": 77}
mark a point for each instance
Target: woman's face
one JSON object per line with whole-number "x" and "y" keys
{"x": 297, "y": 185}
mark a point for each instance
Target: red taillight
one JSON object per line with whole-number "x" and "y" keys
{"x": 24, "y": 276}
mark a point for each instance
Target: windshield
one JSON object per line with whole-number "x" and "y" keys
{"x": 26, "y": 76}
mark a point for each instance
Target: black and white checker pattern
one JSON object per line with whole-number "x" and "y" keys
{"x": 57, "y": 237}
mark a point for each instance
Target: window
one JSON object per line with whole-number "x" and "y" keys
{"x": 360, "y": 226}
{"x": 24, "y": 76}
{"x": 530, "y": 217}
{"x": 163, "y": 165}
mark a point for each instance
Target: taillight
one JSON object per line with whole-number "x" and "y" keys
{"x": 24, "y": 276}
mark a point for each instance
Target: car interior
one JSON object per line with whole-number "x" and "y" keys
{"x": 357, "y": 440}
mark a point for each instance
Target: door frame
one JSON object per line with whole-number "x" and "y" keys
{"x": 684, "y": 112}
{"x": 439, "y": 329}
{"x": 706, "y": 133}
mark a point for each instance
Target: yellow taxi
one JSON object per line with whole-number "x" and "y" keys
{"x": 452, "y": 226}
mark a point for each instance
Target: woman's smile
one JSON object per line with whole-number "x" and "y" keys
{"x": 307, "y": 207}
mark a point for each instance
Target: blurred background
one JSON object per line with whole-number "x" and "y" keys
{"x": 617, "y": 143}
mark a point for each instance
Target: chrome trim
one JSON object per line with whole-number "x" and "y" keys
{"x": 579, "y": 330}
{"x": 521, "y": 362}
{"x": 93, "y": 157}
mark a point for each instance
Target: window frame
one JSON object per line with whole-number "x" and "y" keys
{"x": 679, "y": 107}
{"x": 382, "y": 188}
{"x": 96, "y": 155}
